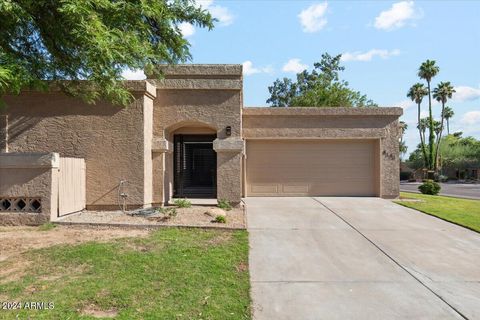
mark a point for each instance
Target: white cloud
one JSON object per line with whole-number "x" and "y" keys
{"x": 369, "y": 55}
{"x": 464, "y": 93}
{"x": 404, "y": 104}
{"x": 313, "y": 18}
{"x": 471, "y": 118}
{"x": 397, "y": 16}
{"x": 223, "y": 15}
{"x": 249, "y": 69}
{"x": 187, "y": 29}
{"x": 133, "y": 74}
{"x": 424, "y": 113}
{"x": 294, "y": 65}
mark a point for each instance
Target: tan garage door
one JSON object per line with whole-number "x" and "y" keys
{"x": 312, "y": 168}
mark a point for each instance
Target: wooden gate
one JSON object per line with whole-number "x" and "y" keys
{"x": 71, "y": 186}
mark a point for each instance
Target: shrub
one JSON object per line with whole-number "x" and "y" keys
{"x": 167, "y": 212}
{"x": 224, "y": 204}
{"x": 47, "y": 226}
{"x": 404, "y": 175}
{"x": 220, "y": 219}
{"x": 182, "y": 203}
{"x": 429, "y": 187}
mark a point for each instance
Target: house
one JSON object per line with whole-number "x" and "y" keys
{"x": 189, "y": 135}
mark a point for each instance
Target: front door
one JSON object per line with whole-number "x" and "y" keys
{"x": 195, "y": 166}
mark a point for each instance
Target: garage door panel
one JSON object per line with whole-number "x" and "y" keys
{"x": 311, "y": 168}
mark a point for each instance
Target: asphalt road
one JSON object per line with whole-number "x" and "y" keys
{"x": 461, "y": 190}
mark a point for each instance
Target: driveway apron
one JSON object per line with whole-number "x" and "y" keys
{"x": 358, "y": 258}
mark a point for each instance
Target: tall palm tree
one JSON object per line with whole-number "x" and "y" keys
{"x": 442, "y": 93}
{"x": 448, "y": 114}
{"x": 416, "y": 93}
{"x": 427, "y": 71}
{"x": 402, "y": 147}
{"x": 423, "y": 125}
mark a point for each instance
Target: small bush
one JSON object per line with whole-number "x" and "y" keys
{"x": 182, "y": 203}
{"x": 224, "y": 204}
{"x": 220, "y": 219}
{"x": 47, "y": 226}
{"x": 167, "y": 212}
{"x": 429, "y": 187}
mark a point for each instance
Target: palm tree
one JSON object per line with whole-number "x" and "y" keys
{"x": 402, "y": 145}
{"x": 442, "y": 93}
{"x": 416, "y": 93}
{"x": 427, "y": 71}
{"x": 448, "y": 114}
{"x": 422, "y": 127}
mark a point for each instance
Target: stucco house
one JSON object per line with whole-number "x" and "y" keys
{"x": 189, "y": 135}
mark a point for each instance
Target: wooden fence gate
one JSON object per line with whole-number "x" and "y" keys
{"x": 71, "y": 186}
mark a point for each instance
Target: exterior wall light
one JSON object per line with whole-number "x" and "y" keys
{"x": 228, "y": 131}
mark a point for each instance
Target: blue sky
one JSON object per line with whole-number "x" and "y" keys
{"x": 383, "y": 43}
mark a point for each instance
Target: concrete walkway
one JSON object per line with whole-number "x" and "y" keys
{"x": 359, "y": 258}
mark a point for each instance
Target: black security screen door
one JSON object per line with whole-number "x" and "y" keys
{"x": 195, "y": 166}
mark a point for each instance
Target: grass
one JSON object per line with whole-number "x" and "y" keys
{"x": 46, "y": 226}
{"x": 182, "y": 203}
{"x": 172, "y": 274}
{"x": 463, "y": 212}
{"x": 224, "y": 204}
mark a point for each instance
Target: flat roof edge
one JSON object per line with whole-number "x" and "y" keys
{"x": 320, "y": 111}
{"x": 200, "y": 69}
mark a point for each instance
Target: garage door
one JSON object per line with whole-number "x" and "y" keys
{"x": 312, "y": 168}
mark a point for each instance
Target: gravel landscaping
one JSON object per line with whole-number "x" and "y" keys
{"x": 194, "y": 216}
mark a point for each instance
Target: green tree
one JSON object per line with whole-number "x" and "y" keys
{"x": 448, "y": 113}
{"x": 92, "y": 40}
{"x": 402, "y": 145}
{"x": 416, "y": 93}
{"x": 442, "y": 93}
{"x": 321, "y": 87}
{"x": 427, "y": 71}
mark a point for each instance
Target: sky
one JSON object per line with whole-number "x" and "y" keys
{"x": 382, "y": 42}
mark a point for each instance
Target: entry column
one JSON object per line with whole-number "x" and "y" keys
{"x": 229, "y": 168}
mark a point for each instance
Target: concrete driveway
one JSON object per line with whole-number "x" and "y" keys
{"x": 359, "y": 258}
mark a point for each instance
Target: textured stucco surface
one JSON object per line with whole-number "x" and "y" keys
{"x": 207, "y": 107}
{"x": 333, "y": 123}
{"x": 3, "y": 133}
{"x": 35, "y": 177}
{"x": 111, "y": 139}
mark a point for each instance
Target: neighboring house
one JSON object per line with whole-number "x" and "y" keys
{"x": 188, "y": 135}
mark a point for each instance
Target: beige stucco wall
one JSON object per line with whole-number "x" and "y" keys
{"x": 198, "y": 99}
{"x": 334, "y": 123}
{"x": 114, "y": 141}
{"x": 30, "y": 176}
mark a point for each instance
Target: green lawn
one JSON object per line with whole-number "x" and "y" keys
{"x": 171, "y": 274}
{"x": 460, "y": 211}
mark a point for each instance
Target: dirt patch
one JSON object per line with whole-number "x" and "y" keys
{"x": 242, "y": 267}
{"x": 94, "y": 311}
{"x": 16, "y": 240}
{"x": 193, "y": 216}
{"x": 220, "y": 238}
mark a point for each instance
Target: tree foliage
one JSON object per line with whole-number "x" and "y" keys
{"x": 92, "y": 40}
{"x": 456, "y": 153}
{"x": 321, "y": 87}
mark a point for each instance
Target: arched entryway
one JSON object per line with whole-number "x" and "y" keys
{"x": 194, "y": 161}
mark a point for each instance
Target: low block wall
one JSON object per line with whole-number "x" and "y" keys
{"x": 28, "y": 188}
{"x": 39, "y": 187}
